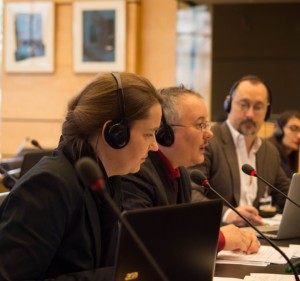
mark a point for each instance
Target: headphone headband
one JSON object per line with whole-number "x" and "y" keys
{"x": 120, "y": 95}
{"x": 228, "y": 100}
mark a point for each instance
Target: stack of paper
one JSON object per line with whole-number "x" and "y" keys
{"x": 263, "y": 257}
{"x": 260, "y": 277}
{"x": 269, "y": 277}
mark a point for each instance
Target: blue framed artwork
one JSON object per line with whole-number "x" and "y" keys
{"x": 99, "y": 36}
{"x": 29, "y": 34}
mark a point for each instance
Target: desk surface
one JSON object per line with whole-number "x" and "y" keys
{"x": 240, "y": 271}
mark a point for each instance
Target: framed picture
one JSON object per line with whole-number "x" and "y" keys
{"x": 99, "y": 36}
{"x": 29, "y": 37}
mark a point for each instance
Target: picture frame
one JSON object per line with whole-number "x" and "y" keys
{"x": 99, "y": 33}
{"x": 29, "y": 37}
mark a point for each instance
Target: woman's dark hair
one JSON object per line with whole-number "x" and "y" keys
{"x": 286, "y": 116}
{"x": 282, "y": 120}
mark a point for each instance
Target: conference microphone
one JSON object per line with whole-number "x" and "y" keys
{"x": 35, "y": 143}
{"x": 90, "y": 173}
{"x": 249, "y": 170}
{"x": 198, "y": 178}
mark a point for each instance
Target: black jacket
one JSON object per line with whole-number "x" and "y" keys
{"x": 53, "y": 227}
{"x": 152, "y": 187}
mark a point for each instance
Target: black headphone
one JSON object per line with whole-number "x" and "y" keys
{"x": 278, "y": 133}
{"x": 116, "y": 133}
{"x": 228, "y": 100}
{"x": 165, "y": 134}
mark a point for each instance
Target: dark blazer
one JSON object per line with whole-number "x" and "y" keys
{"x": 152, "y": 187}
{"x": 52, "y": 227}
{"x": 222, "y": 170}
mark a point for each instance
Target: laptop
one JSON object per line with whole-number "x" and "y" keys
{"x": 183, "y": 240}
{"x": 290, "y": 221}
{"x": 31, "y": 158}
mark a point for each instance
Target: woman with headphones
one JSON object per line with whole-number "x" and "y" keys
{"x": 52, "y": 225}
{"x": 286, "y": 138}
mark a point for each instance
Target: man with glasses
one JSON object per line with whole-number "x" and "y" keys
{"x": 286, "y": 138}
{"x": 163, "y": 178}
{"x": 236, "y": 143}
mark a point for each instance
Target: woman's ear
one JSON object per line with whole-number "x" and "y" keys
{"x": 105, "y": 130}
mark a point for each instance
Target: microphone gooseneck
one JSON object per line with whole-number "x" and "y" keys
{"x": 92, "y": 176}
{"x": 247, "y": 169}
{"x": 199, "y": 178}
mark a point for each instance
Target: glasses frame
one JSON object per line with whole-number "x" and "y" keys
{"x": 294, "y": 128}
{"x": 257, "y": 108}
{"x": 203, "y": 126}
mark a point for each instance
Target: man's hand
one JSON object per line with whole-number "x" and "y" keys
{"x": 249, "y": 212}
{"x": 238, "y": 239}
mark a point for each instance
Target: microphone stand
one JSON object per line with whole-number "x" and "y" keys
{"x": 284, "y": 195}
{"x": 207, "y": 185}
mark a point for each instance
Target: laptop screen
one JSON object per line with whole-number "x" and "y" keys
{"x": 289, "y": 226}
{"x": 183, "y": 240}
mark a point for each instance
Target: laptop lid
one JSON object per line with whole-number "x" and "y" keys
{"x": 31, "y": 158}
{"x": 290, "y": 216}
{"x": 289, "y": 225}
{"x": 183, "y": 239}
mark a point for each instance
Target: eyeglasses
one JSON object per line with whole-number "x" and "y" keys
{"x": 245, "y": 106}
{"x": 294, "y": 128}
{"x": 199, "y": 126}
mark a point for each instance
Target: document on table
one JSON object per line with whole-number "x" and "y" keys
{"x": 273, "y": 221}
{"x": 297, "y": 249}
{"x": 226, "y": 279}
{"x": 269, "y": 277}
{"x": 259, "y": 277}
{"x": 265, "y": 255}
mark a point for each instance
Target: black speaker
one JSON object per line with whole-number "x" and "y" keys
{"x": 228, "y": 99}
{"x": 117, "y": 133}
{"x": 165, "y": 134}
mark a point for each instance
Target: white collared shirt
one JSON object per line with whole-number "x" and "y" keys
{"x": 248, "y": 188}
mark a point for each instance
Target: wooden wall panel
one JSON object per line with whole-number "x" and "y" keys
{"x": 34, "y": 105}
{"x": 259, "y": 39}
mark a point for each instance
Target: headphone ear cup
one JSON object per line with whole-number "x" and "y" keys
{"x": 278, "y": 133}
{"x": 227, "y": 104}
{"x": 165, "y": 135}
{"x": 116, "y": 134}
{"x": 268, "y": 113}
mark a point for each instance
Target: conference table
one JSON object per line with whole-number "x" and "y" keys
{"x": 240, "y": 271}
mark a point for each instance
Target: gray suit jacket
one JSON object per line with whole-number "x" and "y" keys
{"x": 222, "y": 170}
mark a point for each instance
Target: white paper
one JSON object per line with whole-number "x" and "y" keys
{"x": 265, "y": 254}
{"x": 269, "y": 277}
{"x": 226, "y": 279}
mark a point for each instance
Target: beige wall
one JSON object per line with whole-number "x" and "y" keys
{"x": 33, "y": 105}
